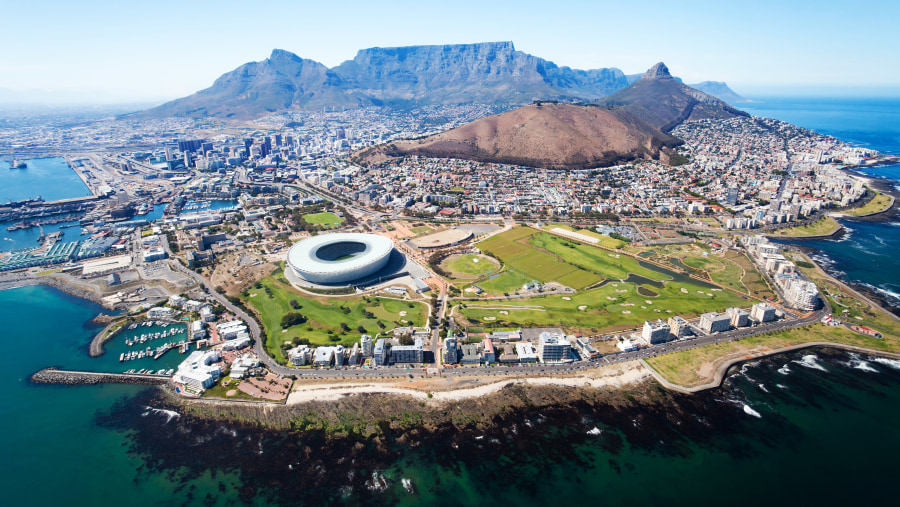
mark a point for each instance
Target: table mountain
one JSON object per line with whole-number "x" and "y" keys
{"x": 487, "y": 73}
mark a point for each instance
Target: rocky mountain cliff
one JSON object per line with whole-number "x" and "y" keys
{"x": 559, "y": 136}
{"x": 663, "y": 102}
{"x": 489, "y": 73}
{"x": 719, "y": 90}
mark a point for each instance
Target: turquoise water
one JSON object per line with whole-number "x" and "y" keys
{"x": 50, "y": 178}
{"x": 54, "y": 451}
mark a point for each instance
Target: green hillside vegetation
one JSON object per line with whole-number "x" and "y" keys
{"x": 324, "y": 316}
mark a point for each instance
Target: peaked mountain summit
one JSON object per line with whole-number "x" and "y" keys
{"x": 664, "y": 102}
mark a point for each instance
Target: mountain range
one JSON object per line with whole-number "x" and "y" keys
{"x": 629, "y": 124}
{"x": 404, "y": 77}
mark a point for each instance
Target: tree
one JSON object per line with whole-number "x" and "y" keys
{"x": 292, "y": 319}
{"x": 406, "y": 339}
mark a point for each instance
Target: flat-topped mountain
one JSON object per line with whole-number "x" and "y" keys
{"x": 485, "y": 73}
{"x": 663, "y": 102}
{"x": 559, "y": 136}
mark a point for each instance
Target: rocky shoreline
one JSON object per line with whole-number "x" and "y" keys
{"x": 355, "y": 449}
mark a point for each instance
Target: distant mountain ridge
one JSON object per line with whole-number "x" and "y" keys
{"x": 487, "y": 73}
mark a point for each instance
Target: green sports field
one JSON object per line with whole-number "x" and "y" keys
{"x": 325, "y": 218}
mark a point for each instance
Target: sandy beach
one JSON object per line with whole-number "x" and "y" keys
{"x": 609, "y": 376}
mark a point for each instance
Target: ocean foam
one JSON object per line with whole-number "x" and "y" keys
{"x": 168, "y": 413}
{"x": 595, "y": 432}
{"x": 893, "y": 363}
{"x": 784, "y": 370}
{"x": 750, "y": 411}
{"x": 809, "y": 361}
{"x": 763, "y": 387}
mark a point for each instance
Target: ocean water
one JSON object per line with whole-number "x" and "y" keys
{"x": 50, "y": 178}
{"x": 866, "y": 254}
{"x": 56, "y": 454}
{"x": 869, "y": 122}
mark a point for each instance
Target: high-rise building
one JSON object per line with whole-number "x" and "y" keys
{"x": 739, "y": 318}
{"x": 553, "y": 347}
{"x": 656, "y": 332}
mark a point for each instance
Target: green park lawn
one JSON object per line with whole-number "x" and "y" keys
{"x": 822, "y": 226}
{"x": 325, "y": 218}
{"x": 508, "y": 281}
{"x": 878, "y": 204}
{"x": 470, "y": 266}
{"x": 605, "y": 241}
{"x": 325, "y": 315}
{"x": 603, "y": 307}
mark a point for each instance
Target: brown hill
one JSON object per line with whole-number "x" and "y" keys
{"x": 549, "y": 135}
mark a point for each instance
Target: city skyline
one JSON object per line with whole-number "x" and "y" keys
{"x": 108, "y": 52}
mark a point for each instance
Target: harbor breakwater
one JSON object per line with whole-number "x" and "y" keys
{"x": 66, "y": 377}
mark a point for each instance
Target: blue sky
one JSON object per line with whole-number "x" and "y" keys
{"x": 123, "y": 50}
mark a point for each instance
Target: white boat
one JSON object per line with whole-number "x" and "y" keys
{"x": 121, "y": 357}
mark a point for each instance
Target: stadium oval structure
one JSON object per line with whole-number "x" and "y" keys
{"x": 339, "y": 258}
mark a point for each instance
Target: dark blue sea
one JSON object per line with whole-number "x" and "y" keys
{"x": 865, "y": 254}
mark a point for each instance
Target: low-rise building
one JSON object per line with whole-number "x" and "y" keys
{"x": 198, "y": 330}
{"x": 161, "y": 312}
{"x": 739, "y": 318}
{"x": 470, "y": 353}
{"x": 525, "y": 351}
{"x": 488, "y": 351}
{"x": 299, "y": 355}
{"x": 762, "y": 312}
{"x": 713, "y": 322}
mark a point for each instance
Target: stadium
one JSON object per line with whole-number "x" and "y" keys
{"x": 335, "y": 259}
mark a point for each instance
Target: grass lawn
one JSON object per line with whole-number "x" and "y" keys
{"x": 470, "y": 266}
{"x": 420, "y": 229}
{"x": 604, "y": 263}
{"x": 219, "y": 391}
{"x": 508, "y": 281}
{"x": 325, "y": 315}
{"x": 325, "y": 218}
{"x": 878, "y": 204}
{"x": 605, "y": 241}
{"x": 697, "y": 366}
{"x": 822, "y": 226}
{"x": 603, "y": 307}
